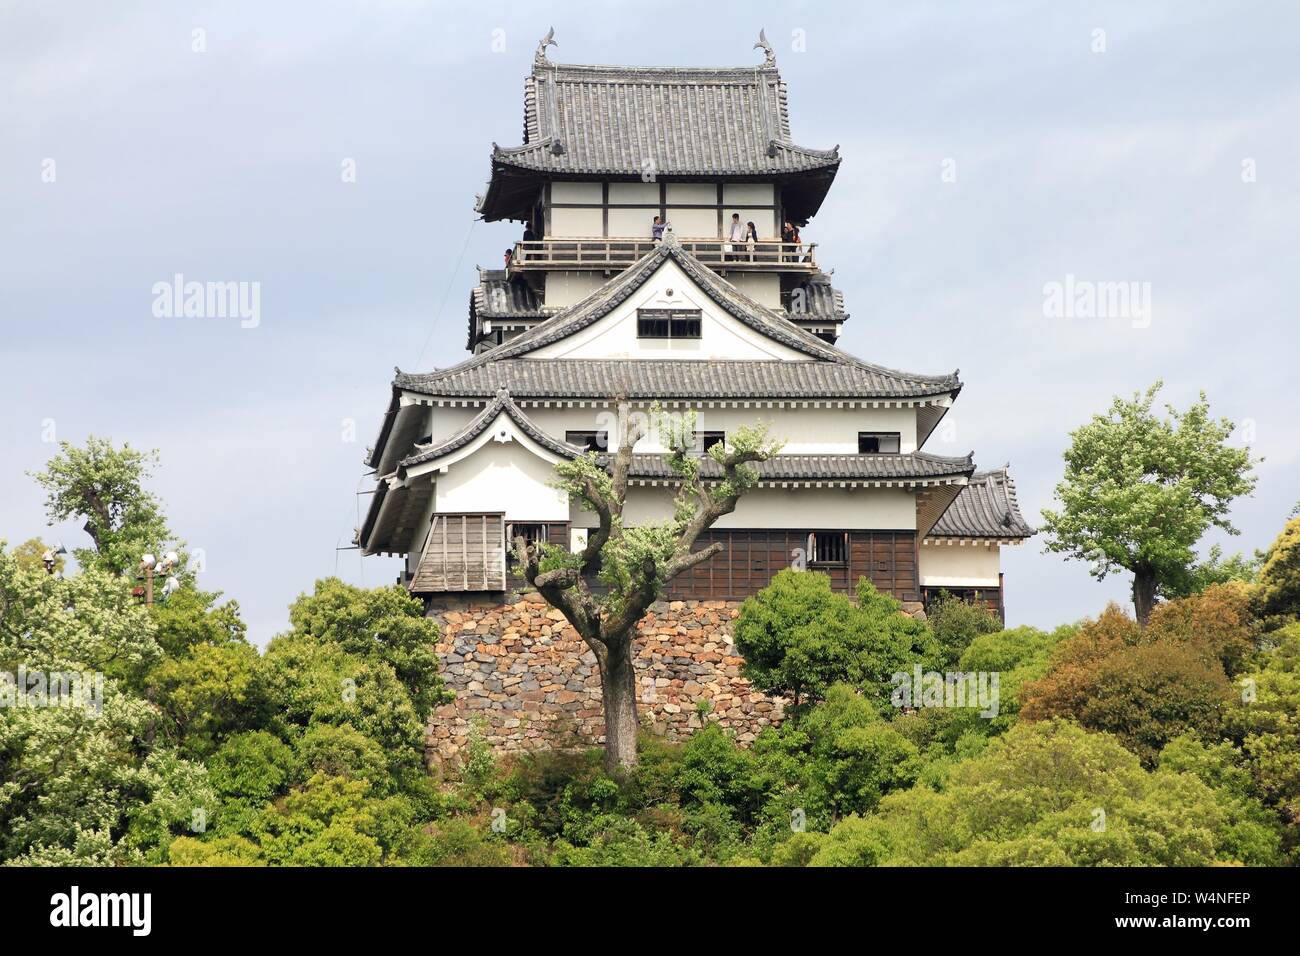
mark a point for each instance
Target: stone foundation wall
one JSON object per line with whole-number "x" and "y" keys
{"x": 524, "y": 672}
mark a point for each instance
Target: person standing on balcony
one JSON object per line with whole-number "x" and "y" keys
{"x": 657, "y": 229}
{"x": 735, "y": 235}
{"x": 790, "y": 237}
{"x": 751, "y": 238}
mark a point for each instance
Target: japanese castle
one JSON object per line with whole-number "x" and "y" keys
{"x": 600, "y": 306}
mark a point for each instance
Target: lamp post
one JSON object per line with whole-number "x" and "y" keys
{"x": 149, "y": 566}
{"x": 51, "y": 558}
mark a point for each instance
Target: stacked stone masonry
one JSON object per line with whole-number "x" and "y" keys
{"x": 526, "y": 677}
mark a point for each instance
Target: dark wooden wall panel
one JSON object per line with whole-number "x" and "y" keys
{"x": 750, "y": 558}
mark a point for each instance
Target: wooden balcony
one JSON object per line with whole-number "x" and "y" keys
{"x": 614, "y": 255}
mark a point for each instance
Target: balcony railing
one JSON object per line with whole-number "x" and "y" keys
{"x": 614, "y": 254}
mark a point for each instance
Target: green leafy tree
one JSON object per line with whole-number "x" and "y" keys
{"x": 956, "y": 623}
{"x": 356, "y": 657}
{"x": 203, "y": 685}
{"x": 798, "y": 637}
{"x": 1216, "y": 569}
{"x": 85, "y": 782}
{"x": 104, "y": 486}
{"x": 635, "y": 563}
{"x": 1019, "y": 657}
{"x": 378, "y": 625}
{"x": 1140, "y": 491}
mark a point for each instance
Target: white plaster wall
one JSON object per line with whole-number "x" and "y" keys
{"x": 691, "y": 193}
{"x": 576, "y": 222}
{"x": 566, "y": 288}
{"x": 576, "y": 192}
{"x": 693, "y": 223}
{"x": 805, "y": 431}
{"x": 748, "y": 193}
{"x": 641, "y": 194}
{"x": 614, "y": 336}
{"x": 883, "y": 509}
{"x": 632, "y": 221}
{"x": 959, "y": 565}
{"x": 446, "y": 420}
{"x": 763, "y": 287}
{"x": 502, "y": 476}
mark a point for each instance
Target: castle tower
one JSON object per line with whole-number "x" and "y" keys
{"x": 593, "y": 304}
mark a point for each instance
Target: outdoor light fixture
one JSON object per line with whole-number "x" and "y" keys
{"x": 51, "y": 557}
{"x": 150, "y": 566}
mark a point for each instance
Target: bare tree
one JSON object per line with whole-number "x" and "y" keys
{"x": 636, "y": 563}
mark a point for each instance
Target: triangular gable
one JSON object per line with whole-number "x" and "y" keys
{"x": 722, "y": 336}
{"x": 501, "y": 421}
{"x": 756, "y": 316}
{"x": 628, "y": 283}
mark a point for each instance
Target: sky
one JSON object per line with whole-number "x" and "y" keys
{"x": 331, "y": 152}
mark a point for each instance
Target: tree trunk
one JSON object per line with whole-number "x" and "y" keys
{"x": 1144, "y": 594}
{"x": 618, "y": 691}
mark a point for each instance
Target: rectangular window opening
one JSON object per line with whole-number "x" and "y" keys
{"x": 668, "y": 323}
{"x": 706, "y": 440}
{"x": 879, "y": 443}
{"x": 597, "y": 441}
{"x": 828, "y": 547}
{"x": 532, "y": 532}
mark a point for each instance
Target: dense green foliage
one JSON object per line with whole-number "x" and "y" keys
{"x": 1177, "y": 743}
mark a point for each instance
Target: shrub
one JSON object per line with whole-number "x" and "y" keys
{"x": 956, "y": 623}
{"x": 1145, "y": 695}
{"x": 1217, "y": 622}
{"x": 1279, "y": 578}
{"x": 1052, "y": 794}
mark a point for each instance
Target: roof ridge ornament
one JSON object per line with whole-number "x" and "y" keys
{"x": 549, "y": 40}
{"x": 769, "y": 55}
{"x": 670, "y": 240}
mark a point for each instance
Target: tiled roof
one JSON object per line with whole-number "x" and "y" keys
{"x": 703, "y": 122}
{"x": 618, "y": 122}
{"x": 986, "y": 508}
{"x": 816, "y": 300}
{"x": 480, "y": 423}
{"x": 918, "y": 465}
{"x": 497, "y": 297}
{"x": 669, "y": 379}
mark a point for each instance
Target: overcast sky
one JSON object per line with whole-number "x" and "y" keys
{"x": 989, "y": 149}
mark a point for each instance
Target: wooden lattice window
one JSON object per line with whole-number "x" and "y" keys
{"x": 828, "y": 547}
{"x": 668, "y": 323}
